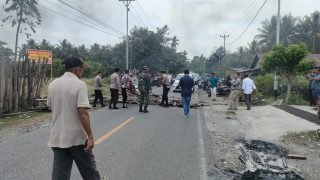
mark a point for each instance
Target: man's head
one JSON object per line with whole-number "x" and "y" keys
{"x": 186, "y": 72}
{"x": 116, "y": 70}
{"x": 213, "y": 74}
{"x": 99, "y": 73}
{"x": 246, "y": 75}
{"x": 126, "y": 71}
{"x": 163, "y": 71}
{"x": 74, "y": 65}
{"x": 237, "y": 75}
{"x": 145, "y": 69}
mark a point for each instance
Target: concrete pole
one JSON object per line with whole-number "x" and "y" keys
{"x": 278, "y": 24}
{"x": 127, "y": 39}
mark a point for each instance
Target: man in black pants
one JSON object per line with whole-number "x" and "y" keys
{"x": 98, "y": 90}
{"x": 114, "y": 89}
{"x": 125, "y": 83}
{"x": 166, "y": 88}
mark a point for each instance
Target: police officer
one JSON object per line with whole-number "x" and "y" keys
{"x": 145, "y": 89}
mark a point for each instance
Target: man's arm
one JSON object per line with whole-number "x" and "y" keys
{"x": 85, "y": 121}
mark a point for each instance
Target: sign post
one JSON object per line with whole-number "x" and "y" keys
{"x": 40, "y": 57}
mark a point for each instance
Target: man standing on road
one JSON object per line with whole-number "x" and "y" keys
{"x": 235, "y": 87}
{"x": 315, "y": 86}
{"x": 145, "y": 89}
{"x": 248, "y": 87}
{"x": 71, "y": 135}
{"x": 114, "y": 89}
{"x": 186, "y": 83}
{"x": 98, "y": 90}
{"x": 165, "y": 81}
{"x": 125, "y": 84}
{"x": 213, "y": 85}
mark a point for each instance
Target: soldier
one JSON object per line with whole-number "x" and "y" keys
{"x": 144, "y": 88}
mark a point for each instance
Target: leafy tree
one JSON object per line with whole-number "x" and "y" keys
{"x": 308, "y": 31}
{"x": 26, "y": 13}
{"x": 253, "y": 48}
{"x": 288, "y": 62}
{"x": 268, "y": 31}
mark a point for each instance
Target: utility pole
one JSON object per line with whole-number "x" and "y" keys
{"x": 224, "y": 49}
{"x": 275, "y": 78}
{"x": 278, "y": 23}
{"x": 127, "y": 3}
{"x": 224, "y": 42}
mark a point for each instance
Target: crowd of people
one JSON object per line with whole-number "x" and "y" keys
{"x": 71, "y": 136}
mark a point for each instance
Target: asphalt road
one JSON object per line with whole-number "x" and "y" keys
{"x": 160, "y": 145}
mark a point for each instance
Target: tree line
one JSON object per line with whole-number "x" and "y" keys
{"x": 293, "y": 30}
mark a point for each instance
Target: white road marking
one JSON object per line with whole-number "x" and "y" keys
{"x": 202, "y": 154}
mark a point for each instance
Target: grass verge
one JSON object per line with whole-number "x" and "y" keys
{"x": 22, "y": 119}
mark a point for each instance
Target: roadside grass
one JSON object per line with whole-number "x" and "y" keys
{"x": 89, "y": 82}
{"x": 309, "y": 139}
{"x": 7, "y": 121}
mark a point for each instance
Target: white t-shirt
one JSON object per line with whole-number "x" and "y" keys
{"x": 65, "y": 95}
{"x": 248, "y": 86}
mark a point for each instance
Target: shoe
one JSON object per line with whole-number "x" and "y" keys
{"x": 167, "y": 105}
{"x": 115, "y": 108}
{"x": 145, "y": 109}
{"x": 248, "y": 108}
{"x": 140, "y": 109}
{"x": 94, "y": 106}
{"x": 124, "y": 106}
{"x": 160, "y": 104}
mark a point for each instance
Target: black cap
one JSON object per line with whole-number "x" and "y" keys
{"x": 71, "y": 62}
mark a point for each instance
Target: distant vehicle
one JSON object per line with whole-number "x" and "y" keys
{"x": 176, "y": 87}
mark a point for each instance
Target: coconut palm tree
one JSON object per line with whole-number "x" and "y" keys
{"x": 267, "y": 36}
{"x": 308, "y": 31}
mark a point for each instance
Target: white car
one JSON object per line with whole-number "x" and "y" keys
{"x": 175, "y": 85}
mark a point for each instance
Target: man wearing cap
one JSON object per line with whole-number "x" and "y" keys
{"x": 115, "y": 87}
{"x": 145, "y": 89}
{"x": 71, "y": 136}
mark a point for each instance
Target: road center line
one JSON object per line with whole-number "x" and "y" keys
{"x": 114, "y": 130}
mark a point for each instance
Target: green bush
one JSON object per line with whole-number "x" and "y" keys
{"x": 264, "y": 84}
{"x": 297, "y": 99}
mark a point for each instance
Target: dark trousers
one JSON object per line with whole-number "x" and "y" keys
{"x": 275, "y": 93}
{"x": 114, "y": 97}
{"x": 248, "y": 100}
{"x": 165, "y": 92}
{"x": 63, "y": 160}
{"x": 124, "y": 95}
{"x": 98, "y": 95}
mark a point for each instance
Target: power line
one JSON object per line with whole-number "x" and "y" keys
{"x": 74, "y": 14}
{"x": 241, "y": 20}
{"x": 138, "y": 16}
{"x": 136, "y": 19}
{"x": 144, "y": 13}
{"x": 77, "y": 21}
{"x": 90, "y": 16}
{"x": 249, "y": 23}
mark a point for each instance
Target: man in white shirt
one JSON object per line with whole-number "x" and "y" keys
{"x": 115, "y": 87}
{"x": 248, "y": 87}
{"x": 71, "y": 136}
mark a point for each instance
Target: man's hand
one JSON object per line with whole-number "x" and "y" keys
{"x": 89, "y": 145}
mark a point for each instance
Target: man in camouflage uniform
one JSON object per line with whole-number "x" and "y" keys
{"x": 145, "y": 89}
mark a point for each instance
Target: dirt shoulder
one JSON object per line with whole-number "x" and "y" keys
{"x": 265, "y": 123}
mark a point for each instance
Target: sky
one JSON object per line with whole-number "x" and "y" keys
{"x": 197, "y": 24}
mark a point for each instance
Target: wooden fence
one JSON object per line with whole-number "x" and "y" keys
{"x": 21, "y": 83}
